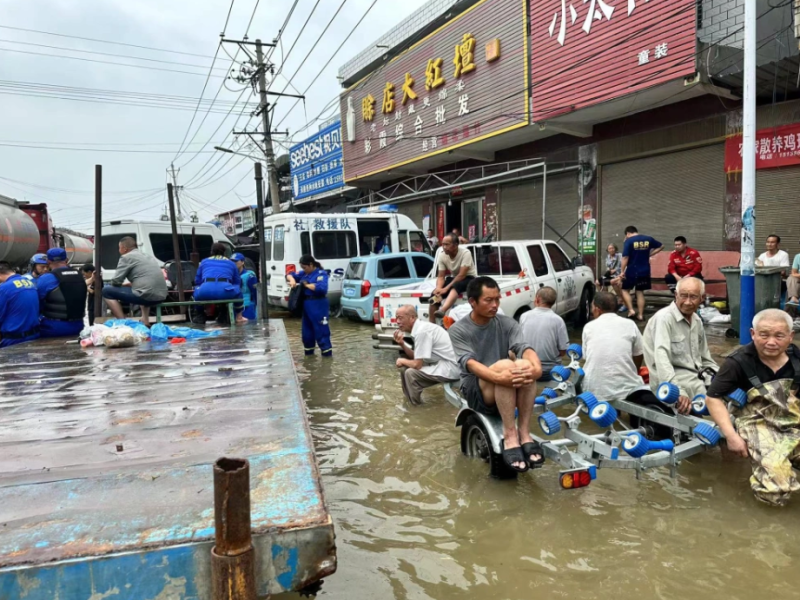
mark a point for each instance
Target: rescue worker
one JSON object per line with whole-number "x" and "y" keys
{"x": 218, "y": 279}
{"x": 249, "y": 286}
{"x": 767, "y": 428}
{"x": 62, "y": 297}
{"x": 19, "y": 308}
{"x": 38, "y": 267}
{"x": 315, "y": 305}
{"x": 683, "y": 262}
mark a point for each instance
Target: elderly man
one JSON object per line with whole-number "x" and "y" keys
{"x": 767, "y": 428}
{"x": 430, "y": 362}
{"x": 459, "y": 263}
{"x": 545, "y": 330}
{"x": 675, "y": 346}
{"x": 491, "y": 380}
{"x": 147, "y": 286}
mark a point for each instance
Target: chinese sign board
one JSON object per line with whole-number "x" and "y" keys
{"x": 321, "y": 224}
{"x": 585, "y": 52}
{"x": 316, "y": 163}
{"x": 774, "y": 147}
{"x": 463, "y": 83}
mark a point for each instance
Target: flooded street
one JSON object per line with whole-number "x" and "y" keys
{"x": 416, "y": 519}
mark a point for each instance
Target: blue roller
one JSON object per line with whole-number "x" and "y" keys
{"x": 668, "y": 393}
{"x": 707, "y": 434}
{"x": 560, "y": 373}
{"x": 575, "y": 352}
{"x": 738, "y": 397}
{"x": 699, "y": 405}
{"x": 636, "y": 445}
{"x": 540, "y": 401}
{"x": 587, "y": 401}
{"x": 549, "y": 423}
{"x": 603, "y": 414}
{"x": 549, "y": 393}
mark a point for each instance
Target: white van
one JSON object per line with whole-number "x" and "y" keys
{"x": 332, "y": 239}
{"x": 155, "y": 239}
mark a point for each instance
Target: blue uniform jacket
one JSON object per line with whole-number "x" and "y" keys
{"x": 49, "y": 328}
{"x": 319, "y": 277}
{"x": 249, "y": 287}
{"x": 19, "y": 309}
{"x": 218, "y": 267}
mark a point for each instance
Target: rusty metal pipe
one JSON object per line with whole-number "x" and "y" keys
{"x": 233, "y": 557}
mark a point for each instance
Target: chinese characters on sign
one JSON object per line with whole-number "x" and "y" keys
{"x": 317, "y": 224}
{"x": 443, "y": 91}
{"x": 774, "y": 147}
{"x": 660, "y": 51}
{"x": 316, "y": 164}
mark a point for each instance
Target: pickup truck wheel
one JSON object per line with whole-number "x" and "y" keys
{"x": 585, "y": 307}
{"x": 520, "y": 312}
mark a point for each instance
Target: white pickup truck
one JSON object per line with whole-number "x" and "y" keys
{"x": 520, "y": 268}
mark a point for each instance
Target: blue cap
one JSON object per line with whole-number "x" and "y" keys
{"x": 237, "y": 256}
{"x": 56, "y": 255}
{"x": 39, "y": 259}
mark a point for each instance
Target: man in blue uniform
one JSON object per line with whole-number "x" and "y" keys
{"x": 62, "y": 297}
{"x": 315, "y": 305}
{"x": 19, "y": 308}
{"x": 249, "y": 286}
{"x": 635, "y": 275}
{"x": 38, "y": 267}
{"x": 218, "y": 279}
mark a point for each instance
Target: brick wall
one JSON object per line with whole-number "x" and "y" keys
{"x": 721, "y": 22}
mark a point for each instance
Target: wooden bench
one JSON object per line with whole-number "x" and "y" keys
{"x": 713, "y": 260}
{"x": 230, "y": 304}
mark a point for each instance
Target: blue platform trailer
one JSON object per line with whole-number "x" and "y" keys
{"x": 106, "y": 482}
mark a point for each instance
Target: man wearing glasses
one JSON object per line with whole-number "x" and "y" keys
{"x": 767, "y": 427}
{"x": 675, "y": 346}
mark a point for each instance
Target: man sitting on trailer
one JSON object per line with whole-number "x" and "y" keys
{"x": 430, "y": 362}
{"x": 458, "y": 261}
{"x": 498, "y": 371}
{"x": 545, "y": 330}
{"x": 767, "y": 427}
{"x": 62, "y": 297}
{"x": 675, "y": 346}
{"x": 147, "y": 286}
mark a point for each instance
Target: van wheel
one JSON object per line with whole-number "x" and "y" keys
{"x": 585, "y": 307}
{"x": 522, "y": 310}
{"x": 475, "y": 444}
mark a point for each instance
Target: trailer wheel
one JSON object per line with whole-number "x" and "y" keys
{"x": 475, "y": 444}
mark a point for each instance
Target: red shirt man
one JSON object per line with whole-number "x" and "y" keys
{"x": 683, "y": 262}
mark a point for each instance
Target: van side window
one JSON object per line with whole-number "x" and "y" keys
{"x": 305, "y": 243}
{"x": 540, "y": 268}
{"x": 393, "y": 268}
{"x": 163, "y": 250}
{"x": 334, "y": 244}
{"x": 278, "y": 243}
{"x": 487, "y": 260}
{"x": 509, "y": 261}
{"x": 558, "y": 258}
{"x": 110, "y": 248}
{"x": 419, "y": 242}
{"x": 402, "y": 239}
{"x": 268, "y": 242}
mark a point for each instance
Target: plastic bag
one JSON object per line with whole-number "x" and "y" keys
{"x": 159, "y": 332}
{"x": 120, "y": 337}
{"x": 139, "y": 329}
{"x": 192, "y": 334}
{"x": 709, "y": 314}
{"x": 97, "y": 334}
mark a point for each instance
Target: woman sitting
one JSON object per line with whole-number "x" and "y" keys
{"x": 218, "y": 279}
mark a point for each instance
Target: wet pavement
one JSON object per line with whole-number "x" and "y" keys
{"x": 415, "y": 519}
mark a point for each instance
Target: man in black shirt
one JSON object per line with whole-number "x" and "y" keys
{"x": 767, "y": 427}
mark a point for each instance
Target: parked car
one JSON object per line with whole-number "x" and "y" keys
{"x": 367, "y": 275}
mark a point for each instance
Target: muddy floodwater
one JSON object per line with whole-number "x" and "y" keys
{"x": 416, "y": 519}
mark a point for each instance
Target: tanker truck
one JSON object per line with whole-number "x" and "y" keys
{"x": 19, "y": 234}
{"x": 80, "y": 250}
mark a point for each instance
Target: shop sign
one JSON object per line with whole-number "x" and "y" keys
{"x": 440, "y": 221}
{"x": 316, "y": 163}
{"x": 588, "y": 240}
{"x": 774, "y": 147}
{"x": 322, "y": 224}
{"x": 464, "y": 83}
{"x": 591, "y": 51}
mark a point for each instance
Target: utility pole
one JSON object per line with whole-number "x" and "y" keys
{"x": 98, "y": 244}
{"x": 176, "y": 248}
{"x": 262, "y": 246}
{"x": 269, "y": 153}
{"x": 176, "y": 187}
{"x": 747, "y": 272}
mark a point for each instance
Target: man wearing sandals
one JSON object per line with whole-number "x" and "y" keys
{"x": 498, "y": 371}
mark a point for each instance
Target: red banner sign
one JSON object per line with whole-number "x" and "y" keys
{"x": 440, "y": 222}
{"x": 774, "y": 147}
{"x": 589, "y": 52}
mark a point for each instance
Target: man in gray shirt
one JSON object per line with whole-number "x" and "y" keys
{"x": 147, "y": 285}
{"x": 491, "y": 381}
{"x": 545, "y": 331}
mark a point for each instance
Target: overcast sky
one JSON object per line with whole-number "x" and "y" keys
{"x": 31, "y": 114}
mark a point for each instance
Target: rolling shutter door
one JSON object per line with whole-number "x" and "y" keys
{"x": 521, "y": 208}
{"x": 413, "y": 210}
{"x": 778, "y": 207}
{"x": 664, "y": 196}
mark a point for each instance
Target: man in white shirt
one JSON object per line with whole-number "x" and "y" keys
{"x": 545, "y": 331}
{"x": 430, "y": 362}
{"x": 459, "y": 263}
{"x": 774, "y": 256}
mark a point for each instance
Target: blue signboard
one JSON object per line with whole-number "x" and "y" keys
{"x": 316, "y": 164}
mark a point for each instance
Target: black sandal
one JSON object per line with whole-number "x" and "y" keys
{"x": 529, "y": 448}
{"x": 514, "y": 455}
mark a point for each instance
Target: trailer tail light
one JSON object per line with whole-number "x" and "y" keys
{"x": 289, "y": 269}
{"x": 366, "y": 286}
{"x": 376, "y": 310}
{"x": 577, "y": 479}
